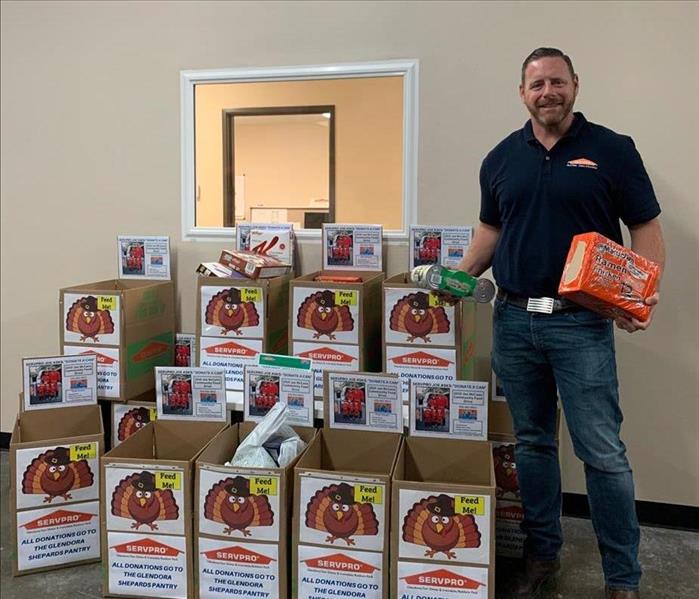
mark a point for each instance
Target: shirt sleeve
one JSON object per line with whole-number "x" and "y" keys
{"x": 490, "y": 211}
{"x": 636, "y": 199}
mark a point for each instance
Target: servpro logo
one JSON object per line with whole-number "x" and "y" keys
{"x": 153, "y": 349}
{"x": 230, "y": 349}
{"x": 444, "y": 579}
{"x": 512, "y": 512}
{"x": 238, "y": 555}
{"x": 326, "y": 354}
{"x": 339, "y": 562}
{"x": 58, "y": 518}
{"x": 146, "y": 547}
{"x": 101, "y": 358}
{"x": 421, "y": 358}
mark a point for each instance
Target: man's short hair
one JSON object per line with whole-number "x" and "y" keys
{"x": 547, "y": 53}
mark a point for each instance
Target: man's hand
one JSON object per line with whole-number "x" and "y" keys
{"x": 631, "y": 325}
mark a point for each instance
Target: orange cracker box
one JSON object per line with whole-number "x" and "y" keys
{"x": 608, "y": 278}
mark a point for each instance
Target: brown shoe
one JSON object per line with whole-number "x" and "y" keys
{"x": 536, "y": 576}
{"x": 621, "y": 594}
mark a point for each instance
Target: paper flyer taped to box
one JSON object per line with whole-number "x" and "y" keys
{"x": 465, "y": 517}
{"x": 129, "y": 418}
{"x": 352, "y": 511}
{"x": 335, "y": 571}
{"x": 441, "y": 581}
{"x": 421, "y": 366}
{"x": 352, "y": 247}
{"x": 326, "y": 357}
{"x": 145, "y": 257}
{"x": 326, "y": 315}
{"x": 232, "y": 311}
{"x": 191, "y": 393}
{"x": 239, "y": 504}
{"x": 364, "y": 401}
{"x": 230, "y": 355}
{"x": 268, "y": 239}
{"x": 57, "y": 474}
{"x": 59, "y": 381}
{"x": 413, "y": 315}
{"x": 438, "y": 245}
{"x": 58, "y": 535}
{"x": 506, "y": 482}
{"x": 230, "y": 568}
{"x": 458, "y": 409}
{"x": 147, "y": 565}
{"x": 93, "y": 319}
{"x": 509, "y": 537}
{"x": 266, "y": 386}
{"x": 108, "y": 375}
{"x": 144, "y": 498}
{"x": 185, "y": 349}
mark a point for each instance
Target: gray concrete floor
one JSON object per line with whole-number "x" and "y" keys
{"x": 670, "y": 560}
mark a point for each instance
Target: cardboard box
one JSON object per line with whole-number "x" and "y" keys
{"x": 346, "y": 338}
{"x": 129, "y": 418}
{"x": 54, "y": 488}
{"x": 435, "y": 344}
{"x": 146, "y": 514}
{"x": 443, "y": 520}
{"x": 128, "y": 324}
{"x": 342, "y": 496}
{"x": 228, "y": 549}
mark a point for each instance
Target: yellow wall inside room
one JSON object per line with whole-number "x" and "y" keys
{"x": 91, "y": 149}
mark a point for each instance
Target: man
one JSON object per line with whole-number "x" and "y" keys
{"x": 559, "y": 176}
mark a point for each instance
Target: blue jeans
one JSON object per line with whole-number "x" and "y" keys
{"x": 533, "y": 354}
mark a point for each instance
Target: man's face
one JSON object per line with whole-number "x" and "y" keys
{"x": 549, "y": 90}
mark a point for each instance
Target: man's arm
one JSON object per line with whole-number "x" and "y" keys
{"x": 480, "y": 254}
{"x": 646, "y": 240}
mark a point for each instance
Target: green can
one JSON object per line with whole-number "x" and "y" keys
{"x": 454, "y": 282}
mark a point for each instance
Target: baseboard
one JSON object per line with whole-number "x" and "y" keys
{"x": 650, "y": 513}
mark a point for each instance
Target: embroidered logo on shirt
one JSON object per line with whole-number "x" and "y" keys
{"x": 582, "y": 163}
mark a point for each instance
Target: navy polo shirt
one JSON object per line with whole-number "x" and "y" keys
{"x": 540, "y": 199}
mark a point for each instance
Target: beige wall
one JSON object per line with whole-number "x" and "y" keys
{"x": 91, "y": 148}
{"x": 368, "y": 176}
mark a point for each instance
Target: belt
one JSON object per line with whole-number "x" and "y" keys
{"x": 539, "y": 304}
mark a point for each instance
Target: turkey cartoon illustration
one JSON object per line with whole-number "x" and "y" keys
{"x": 433, "y": 523}
{"x": 320, "y": 313}
{"x": 133, "y": 421}
{"x": 54, "y": 474}
{"x": 334, "y": 510}
{"x": 227, "y": 310}
{"x": 85, "y": 319}
{"x": 230, "y": 502}
{"x": 505, "y": 470}
{"x": 137, "y": 498}
{"x": 413, "y": 315}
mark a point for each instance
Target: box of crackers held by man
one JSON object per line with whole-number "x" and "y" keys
{"x": 342, "y": 494}
{"x": 425, "y": 338}
{"x": 608, "y": 278}
{"x": 237, "y": 320}
{"x": 54, "y": 472}
{"x": 335, "y": 319}
{"x": 146, "y": 516}
{"x": 128, "y": 324}
{"x": 242, "y": 520}
{"x": 443, "y": 520}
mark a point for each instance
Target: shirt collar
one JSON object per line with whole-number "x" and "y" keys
{"x": 579, "y": 121}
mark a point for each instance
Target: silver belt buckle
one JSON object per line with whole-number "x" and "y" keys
{"x": 540, "y": 304}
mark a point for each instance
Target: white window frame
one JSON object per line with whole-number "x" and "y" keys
{"x": 407, "y": 68}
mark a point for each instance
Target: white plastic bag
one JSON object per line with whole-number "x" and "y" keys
{"x": 278, "y": 436}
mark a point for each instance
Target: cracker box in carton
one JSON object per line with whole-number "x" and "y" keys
{"x": 608, "y": 278}
{"x": 252, "y": 265}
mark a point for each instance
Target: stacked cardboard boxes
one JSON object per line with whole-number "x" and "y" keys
{"x": 128, "y": 324}
{"x": 242, "y": 521}
{"x": 442, "y": 522}
{"x": 426, "y": 340}
{"x": 237, "y": 319}
{"x": 336, "y": 324}
{"x": 54, "y": 487}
